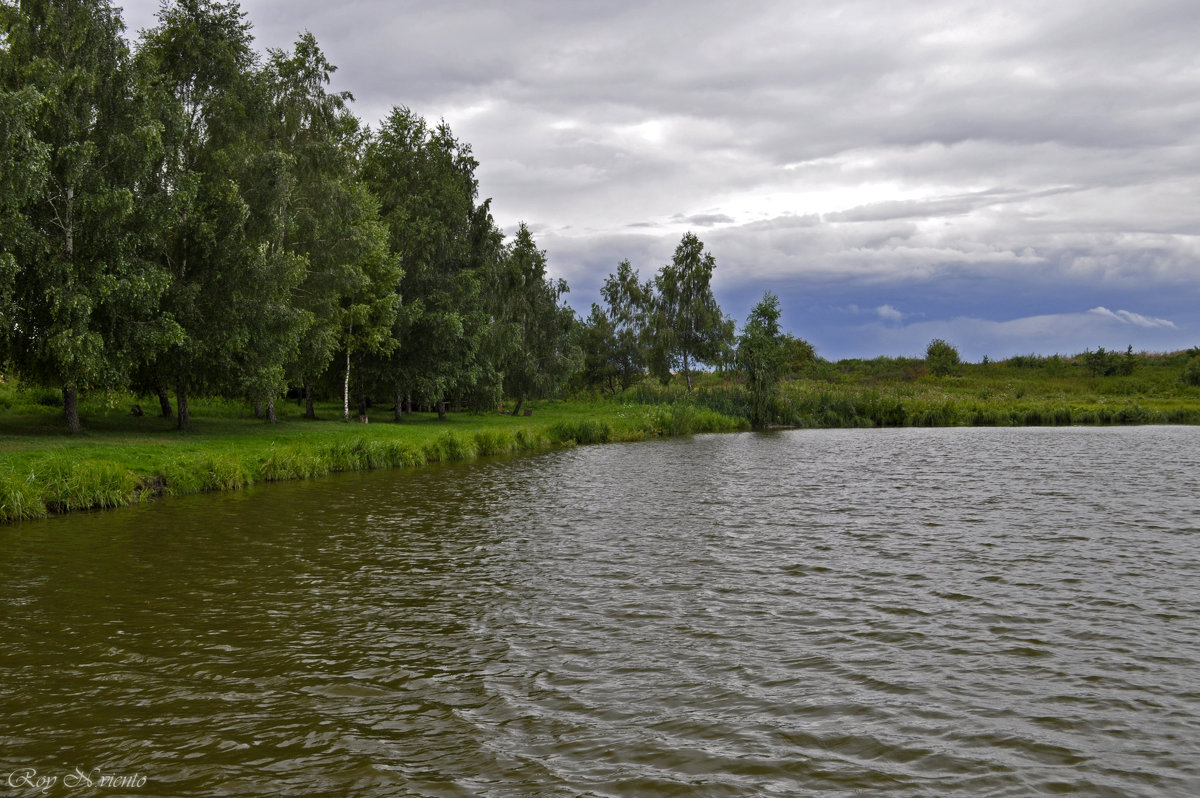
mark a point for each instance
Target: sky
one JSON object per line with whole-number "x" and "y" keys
{"x": 1013, "y": 177}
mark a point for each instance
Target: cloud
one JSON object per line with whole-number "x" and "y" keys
{"x": 889, "y": 314}
{"x": 1125, "y": 317}
{"x": 704, "y": 219}
{"x": 1017, "y": 154}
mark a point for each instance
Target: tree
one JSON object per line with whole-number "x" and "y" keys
{"x": 597, "y": 341}
{"x": 1191, "y": 369}
{"x": 630, "y": 304}
{"x": 23, "y": 173}
{"x": 941, "y": 357}
{"x": 541, "y": 354}
{"x": 221, "y": 198}
{"x": 330, "y": 220}
{"x": 689, "y": 328}
{"x": 760, "y": 354}
{"x": 425, "y": 181}
{"x": 83, "y": 304}
{"x": 1105, "y": 363}
{"x": 616, "y": 339}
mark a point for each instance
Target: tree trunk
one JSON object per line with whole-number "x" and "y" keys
{"x": 397, "y": 413}
{"x": 258, "y": 408}
{"x": 181, "y": 404}
{"x": 517, "y": 409}
{"x": 309, "y": 410}
{"x": 441, "y": 408}
{"x": 362, "y": 397}
{"x": 271, "y": 417}
{"x": 687, "y": 372}
{"x": 164, "y": 399}
{"x": 71, "y": 408}
{"x": 346, "y": 390}
{"x": 408, "y": 405}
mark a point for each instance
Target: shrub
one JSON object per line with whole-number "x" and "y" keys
{"x": 1191, "y": 372}
{"x": 941, "y": 357}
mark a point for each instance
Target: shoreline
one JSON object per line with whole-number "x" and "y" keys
{"x": 85, "y": 474}
{"x": 122, "y": 461}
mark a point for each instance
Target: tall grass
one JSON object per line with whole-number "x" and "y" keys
{"x": 43, "y": 473}
{"x": 860, "y": 399}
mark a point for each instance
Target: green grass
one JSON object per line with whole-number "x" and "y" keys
{"x": 121, "y": 459}
{"x": 1020, "y": 391}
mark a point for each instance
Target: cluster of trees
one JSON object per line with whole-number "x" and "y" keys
{"x": 191, "y": 215}
{"x": 672, "y": 325}
{"x": 1109, "y": 364}
{"x": 668, "y": 324}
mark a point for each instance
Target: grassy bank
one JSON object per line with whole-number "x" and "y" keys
{"x": 122, "y": 459}
{"x": 1020, "y": 391}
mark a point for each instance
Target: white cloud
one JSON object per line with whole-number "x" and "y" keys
{"x": 889, "y": 313}
{"x": 1126, "y": 317}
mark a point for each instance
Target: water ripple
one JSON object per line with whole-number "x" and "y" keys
{"x": 905, "y": 612}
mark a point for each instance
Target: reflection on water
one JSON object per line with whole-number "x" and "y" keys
{"x": 997, "y": 612}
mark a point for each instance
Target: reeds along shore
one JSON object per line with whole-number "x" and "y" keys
{"x": 125, "y": 461}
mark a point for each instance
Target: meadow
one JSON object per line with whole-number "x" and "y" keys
{"x": 1020, "y": 391}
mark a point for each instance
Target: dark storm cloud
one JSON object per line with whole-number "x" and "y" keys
{"x": 1023, "y": 146}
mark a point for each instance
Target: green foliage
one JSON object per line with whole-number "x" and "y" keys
{"x": 798, "y": 355}
{"x": 20, "y": 497}
{"x": 537, "y": 324}
{"x": 1191, "y": 373}
{"x": 425, "y": 181}
{"x": 941, "y": 357}
{"x": 196, "y": 218}
{"x": 23, "y": 174}
{"x": 688, "y": 326}
{"x": 760, "y": 355}
{"x": 581, "y": 431}
{"x": 491, "y": 442}
{"x": 329, "y": 218}
{"x": 81, "y": 306}
{"x": 220, "y": 194}
{"x": 616, "y": 339}
{"x": 1109, "y": 364}
{"x": 685, "y": 418}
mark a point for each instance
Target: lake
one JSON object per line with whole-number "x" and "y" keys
{"x": 911, "y": 612}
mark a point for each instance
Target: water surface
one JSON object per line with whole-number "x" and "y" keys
{"x": 982, "y": 612}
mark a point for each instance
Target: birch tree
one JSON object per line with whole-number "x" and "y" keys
{"x": 83, "y": 304}
{"x": 689, "y": 327}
